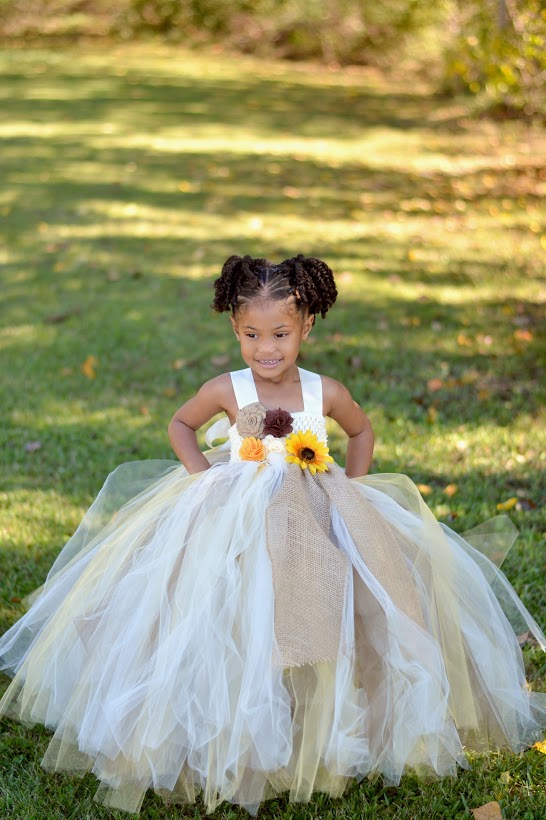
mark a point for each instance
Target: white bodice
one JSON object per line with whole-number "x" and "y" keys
{"x": 310, "y": 418}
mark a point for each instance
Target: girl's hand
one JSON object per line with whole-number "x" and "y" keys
{"x": 340, "y": 406}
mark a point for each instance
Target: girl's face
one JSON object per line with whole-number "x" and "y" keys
{"x": 270, "y": 333}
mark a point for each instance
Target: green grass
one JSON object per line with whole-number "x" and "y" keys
{"x": 129, "y": 175}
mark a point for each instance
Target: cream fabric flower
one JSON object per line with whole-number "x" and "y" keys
{"x": 250, "y": 420}
{"x": 274, "y": 444}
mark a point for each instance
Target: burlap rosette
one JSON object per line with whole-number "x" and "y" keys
{"x": 310, "y": 572}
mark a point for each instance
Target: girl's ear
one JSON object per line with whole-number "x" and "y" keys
{"x": 235, "y": 328}
{"x": 307, "y": 325}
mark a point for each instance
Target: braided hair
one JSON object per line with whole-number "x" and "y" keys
{"x": 310, "y": 281}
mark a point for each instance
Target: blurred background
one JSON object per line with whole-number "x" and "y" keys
{"x": 495, "y": 49}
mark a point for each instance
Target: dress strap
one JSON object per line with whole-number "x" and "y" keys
{"x": 311, "y": 388}
{"x": 244, "y": 387}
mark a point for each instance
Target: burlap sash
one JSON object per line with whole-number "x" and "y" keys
{"x": 310, "y": 572}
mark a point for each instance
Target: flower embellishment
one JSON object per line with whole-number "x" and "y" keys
{"x": 273, "y": 444}
{"x": 250, "y": 420}
{"x": 305, "y": 449}
{"x": 277, "y": 423}
{"x": 267, "y": 436}
{"x": 252, "y": 449}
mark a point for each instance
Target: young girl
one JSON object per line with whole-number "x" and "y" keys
{"x": 258, "y": 621}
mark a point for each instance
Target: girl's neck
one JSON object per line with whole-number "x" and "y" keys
{"x": 287, "y": 377}
{"x": 283, "y": 391}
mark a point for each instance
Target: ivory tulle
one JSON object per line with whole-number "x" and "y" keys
{"x": 151, "y": 653}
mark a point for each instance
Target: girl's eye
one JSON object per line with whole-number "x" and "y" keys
{"x": 251, "y": 335}
{"x": 281, "y": 335}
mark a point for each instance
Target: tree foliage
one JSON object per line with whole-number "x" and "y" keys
{"x": 498, "y": 51}
{"x": 343, "y": 31}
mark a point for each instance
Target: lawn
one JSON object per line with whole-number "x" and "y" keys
{"x": 129, "y": 174}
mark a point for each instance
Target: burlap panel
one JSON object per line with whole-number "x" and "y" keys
{"x": 310, "y": 572}
{"x": 381, "y": 546}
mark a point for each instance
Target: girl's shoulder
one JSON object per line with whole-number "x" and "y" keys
{"x": 334, "y": 393}
{"x": 219, "y": 390}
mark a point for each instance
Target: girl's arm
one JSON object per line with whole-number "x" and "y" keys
{"x": 210, "y": 400}
{"x": 340, "y": 406}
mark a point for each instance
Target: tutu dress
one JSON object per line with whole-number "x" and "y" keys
{"x": 256, "y": 629}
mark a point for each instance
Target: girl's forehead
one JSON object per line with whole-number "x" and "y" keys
{"x": 270, "y": 313}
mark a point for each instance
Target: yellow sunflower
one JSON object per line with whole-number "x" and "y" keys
{"x": 306, "y": 450}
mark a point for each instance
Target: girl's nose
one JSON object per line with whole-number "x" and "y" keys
{"x": 267, "y": 347}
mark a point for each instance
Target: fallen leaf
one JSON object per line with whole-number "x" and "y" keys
{"x": 88, "y": 367}
{"x": 170, "y": 392}
{"x": 483, "y": 394}
{"x": 540, "y": 746}
{"x": 143, "y": 411}
{"x": 178, "y": 364}
{"x": 463, "y": 340}
{"x": 15, "y": 600}
{"x": 523, "y": 335}
{"x": 489, "y": 811}
{"x": 424, "y": 489}
{"x": 32, "y": 446}
{"x": 434, "y": 384}
{"x": 505, "y": 777}
{"x": 509, "y": 504}
{"x": 450, "y": 490}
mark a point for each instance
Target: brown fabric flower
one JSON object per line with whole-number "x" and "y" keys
{"x": 250, "y": 420}
{"x": 277, "y": 423}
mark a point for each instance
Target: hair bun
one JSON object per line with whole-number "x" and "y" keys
{"x": 314, "y": 282}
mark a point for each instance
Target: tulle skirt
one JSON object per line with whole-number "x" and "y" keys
{"x": 153, "y": 652}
